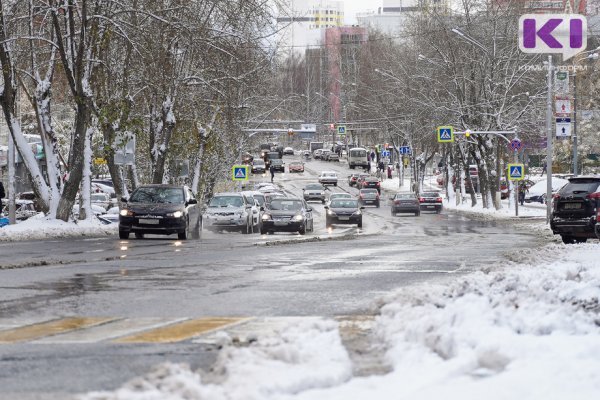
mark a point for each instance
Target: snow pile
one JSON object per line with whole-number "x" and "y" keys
{"x": 531, "y": 332}
{"x": 305, "y": 355}
{"x": 41, "y": 227}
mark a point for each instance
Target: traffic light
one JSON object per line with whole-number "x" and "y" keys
{"x": 290, "y": 132}
{"x": 332, "y": 126}
{"x": 467, "y": 133}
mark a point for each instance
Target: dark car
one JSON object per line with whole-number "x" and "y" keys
{"x": 160, "y": 209}
{"x": 371, "y": 183}
{"x": 368, "y": 197}
{"x": 286, "y": 214}
{"x": 258, "y": 167}
{"x": 575, "y": 210}
{"x": 405, "y": 203}
{"x": 278, "y": 165}
{"x": 314, "y": 191}
{"x": 431, "y": 201}
{"x": 343, "y": 211}
{"x": 352, "y": 179}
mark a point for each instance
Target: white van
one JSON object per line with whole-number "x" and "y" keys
{"x": 357, "y": 157}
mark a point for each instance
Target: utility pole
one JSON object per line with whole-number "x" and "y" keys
{"x": 575, "y": 121}
{"x": 549, "y": 149}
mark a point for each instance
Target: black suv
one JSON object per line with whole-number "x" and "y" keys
{"x": 575, "y": 210}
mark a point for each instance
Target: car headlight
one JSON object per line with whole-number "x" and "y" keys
{"x": 357, "y": 212}
{"x": 176, "y": 214}
{"x": 299, "y": 217}
{"x": 126, "y": 213}
{"x": 329, "y": 212}
{"x": 266, "y": 217}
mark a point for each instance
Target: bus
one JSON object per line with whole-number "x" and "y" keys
{"x": 357, "y": 157}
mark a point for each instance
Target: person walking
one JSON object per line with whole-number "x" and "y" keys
{"x": 522, "y": 190}
{"x": 389, "y": 172}
{"x": 272, "y": 171}
{"x": 2, "y": 195}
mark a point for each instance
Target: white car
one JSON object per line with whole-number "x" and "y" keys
{"x": 328, "y": 178}
{"x": 288, "y": 151}
{"x": 537, "y": 193}
{"x": 339, "y": 195}
{"x": 230, "y": 211}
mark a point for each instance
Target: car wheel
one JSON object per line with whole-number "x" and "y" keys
{"x": 323, "y": 201}
{"x": 139, "y": 235}
{"x": 417, "y": 213}
{"x": 327, "y": 223}
{"x": 359, "y": 225}
{"x": 247, "y": 227}
{"x": 123, "y": 235}
{"x": 186, "y": 233}
{"x": 335, "y": 184}
{"x": 566, "y": 239}
{"x": 393, "y": 213}
{"x": 377, "y": 205}
{"x": 438, "y": 211}
{"x": 263, "y": 231}
{"x": 302, "y": 230}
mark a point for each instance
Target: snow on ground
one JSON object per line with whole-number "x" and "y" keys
{"x": 40, "y": 227}
{"x": 526, "y": 332}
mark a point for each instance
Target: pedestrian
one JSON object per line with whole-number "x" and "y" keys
{"x": 381, "y": 166}
{"x": 522, "y": 190}
{"x": 2, "y": 195}
{"x": 272, "y": 171}
{"x": 389, "y": 171}
{"x": 543, "y": 169}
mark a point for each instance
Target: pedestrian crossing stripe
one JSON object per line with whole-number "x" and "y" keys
{"x": 239, "y": 173}
{"x": 149, "y": 330}
{"x": 445, "y": 134}
{"x": 515, "y": 172}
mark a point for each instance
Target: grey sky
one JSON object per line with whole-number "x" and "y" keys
{"x": 351, "y": 7}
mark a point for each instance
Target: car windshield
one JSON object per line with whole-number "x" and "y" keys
{"x": 258, "y": 162}
{"x": 295, "y": 164}
{"x": 344, "y": 203}
{"x": 226, "y": 201}
{"x": 431, "y": 194}
{"x": 314, "y": 187}
{"x": 340, "y": 195}
{"x": 157, "y": 194}
{"x": 405, "y": 196}
{"x": 286, "y": 205}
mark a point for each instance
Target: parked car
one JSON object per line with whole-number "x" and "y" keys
{"x": 258, "y": 167}
{"x": 288, "y": 151}
{"x": 229, "y": 211}
{"x": 287, "y": 215}
{"x": 343, "y": 211}
{"x": 405, "y": 203}
{"x": 328, "y": 178}
{"x": 160, "y": 209}
{"x": 24, "y": 209}
{"x": 314, "y": 191}
{"x": 278, "y": 165}
{"x": 371, "y": 182}
{"x": 97, "y": 210}
{"x": 537, "y": 193}
{"x": 576, "y": 210}
{"x": 101, "y": 200}
{"x": 333, "y": 157}
{"x": 368, "y": 197}
{"x": 296, "y": 166}
{"x": 431, "y": 201}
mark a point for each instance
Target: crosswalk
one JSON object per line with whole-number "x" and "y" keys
{"x": 157, "y": 330}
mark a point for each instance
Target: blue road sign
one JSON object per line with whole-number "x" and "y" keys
{"x": 516, "y": 172}
{"x": 445, "y": 134}
{"x": 239, "y": 173}
{"x": 385, "y": 153}
{"x": 341, "y": 129}
{"x": 405, "y": 150}
{"x": 516, "y": 144}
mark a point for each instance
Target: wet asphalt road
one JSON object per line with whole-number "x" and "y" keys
{"x": 343, "y": 271}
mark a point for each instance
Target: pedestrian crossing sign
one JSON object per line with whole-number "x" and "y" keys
{"x": 445, "y": 134}
{"x": 341, "y": 130}
{"x": 239, "y": 173}
{"x": 515, "y": 172}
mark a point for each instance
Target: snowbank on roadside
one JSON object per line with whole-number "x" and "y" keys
{"x": 40, "y": 227}
{"x": 526, "y": 332}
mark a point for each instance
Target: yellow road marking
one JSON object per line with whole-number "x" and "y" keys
{"x": 181, "y": 331}
{"x": 36, "y": 331}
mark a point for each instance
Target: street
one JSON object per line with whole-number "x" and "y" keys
{"x": 89, "y": 309}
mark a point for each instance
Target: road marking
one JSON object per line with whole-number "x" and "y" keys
{"x": 111, "y": 330}
{"x": 181, "y": 331}
{"x": 32, "y": 332}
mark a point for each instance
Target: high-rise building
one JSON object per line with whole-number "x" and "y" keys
{"x": 393, "y": 15}
{"x": 300, "y": 22}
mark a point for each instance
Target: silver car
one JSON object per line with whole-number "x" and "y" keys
{"x": 230, "y": 211}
